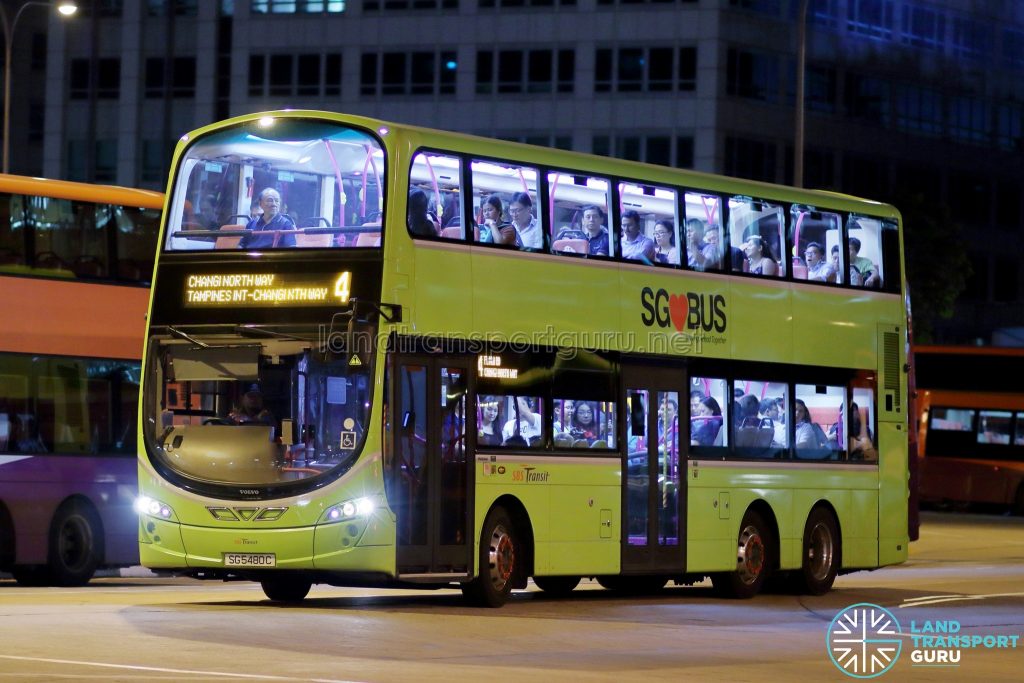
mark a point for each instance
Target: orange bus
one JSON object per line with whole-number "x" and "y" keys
{"x": 971, "y": 440}
{"x": 76, "y": 261}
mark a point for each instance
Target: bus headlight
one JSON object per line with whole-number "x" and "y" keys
{"x": 144, "y": 505}
{"x": 350, "y": 509}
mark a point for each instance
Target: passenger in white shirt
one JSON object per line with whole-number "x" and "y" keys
{"x": 520, "y": 209}
{"x": 529, "y": 422}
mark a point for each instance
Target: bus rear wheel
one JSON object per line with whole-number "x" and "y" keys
{"x": 500, "y": 557}
{"x": 753, "y": 560}
{"x": 75, "y": 545}
{"x": 822, "y": 554}
{"x": 557, "y": 585}
{"x": 286, "y": 590}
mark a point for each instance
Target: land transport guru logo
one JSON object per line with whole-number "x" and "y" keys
{"x": 864, "y": 640}
{"x": 687, "y": 312}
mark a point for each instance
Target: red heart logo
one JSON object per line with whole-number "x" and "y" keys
{"x": 679, "y": 308}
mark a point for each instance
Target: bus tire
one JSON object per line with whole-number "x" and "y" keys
{"x": 286, "y": 589}
{"x": 500, "y": 557}
{"x": 822, "y": 554}
{"x": 753, "y": 560}
{"x": 558, "y": 586}
{"x": 76, "y": 538}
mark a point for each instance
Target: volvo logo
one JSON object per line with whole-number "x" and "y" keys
{"x": 247, "y": 514}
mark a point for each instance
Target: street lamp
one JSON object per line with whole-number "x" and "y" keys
{"x": 801, "y": 58}
{"x": 66, "y": 9}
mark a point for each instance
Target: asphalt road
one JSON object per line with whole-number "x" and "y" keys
{"x": 967, "y": 572}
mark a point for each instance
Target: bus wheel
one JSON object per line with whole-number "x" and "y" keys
{"x": 75, "y": 538}
{"x": 500, "y": 555}
{"x": 30, "y": 575}
{"x": 557, "y": 585}
{"x": 822, "y": 554}
{"x": 286, "y": 590}
{"x": 752, "y": 560}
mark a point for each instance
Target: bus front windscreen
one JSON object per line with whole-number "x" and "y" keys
{"x": 278, "y": 183}
{"x": 233, "y": 411}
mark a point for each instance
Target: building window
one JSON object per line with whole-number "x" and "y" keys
{"x": 103, "y": 8}
{"x": 297, "y": 6}
{"x": 752, "y": 75}
{"x": 153, "y": 166}
{"x": 923, "y": 26}
{"x": 180, "y": 8}
{"x": 972, "y": 39}
{"x": 867, "y": 99}
{"x": 384, "y": 5}
{"x": 919, "y": 109}
{"x": 412, "y": 73}
{"x": 1010, "y": 130}
{"x": 183, "y": 77}
{"x": 750, "y": 159}
{"x": 652, "y": 148}
{"x": 1013, "y": 49}
{"x": 108, "y": 80}
{"x": 970, "y": 120}
{"x": 762, "y": 6}
{"x": 516, "y": 4}
{"x": 872, "y": 18}
{"x": 645, "y": 69}
{"x": 106, "y": 161}
{"x": 290, "y": 75}
{"x": 79, "y": 79}
{"x": 525, "y": 71}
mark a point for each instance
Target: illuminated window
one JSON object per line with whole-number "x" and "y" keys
{"x": 710, "y": 406}
{"x": 507, "y": 421}
{"x": 651, "y": 211}
{"x": 504, "y": 205}
{"x": 584, "y": 423}
{"x": 818, "y": 245}
{"x": 760, "y": 418}
{"x": 579, "y": 217}
{"x": 818, "y": 422}
{"x": 703, "y": 231}
{"x": 756, "y": 233}
{"x": 952, "y": 419}
{"x": 435, "y": 197}
{"x": 994, "y": 426}
{"x": 867, "y": 261}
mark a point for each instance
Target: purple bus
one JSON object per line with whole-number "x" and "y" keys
{"x": 75, "y": 261}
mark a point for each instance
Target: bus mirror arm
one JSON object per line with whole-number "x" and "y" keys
{"x": 391, "y": 313}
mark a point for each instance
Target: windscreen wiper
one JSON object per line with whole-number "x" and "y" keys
{"x": 175, "y": 332}
{"x": 254, "y": 330}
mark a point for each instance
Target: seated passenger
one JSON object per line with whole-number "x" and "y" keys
{"x": 809, "y": 435}
{"x": 496, "y": 230}
{"x": 520, "y": 209}
{"x": 584, "y": 426}
{"x": 854, "y": 274}
{"x": 489, "y": 422}
{"x": 699, "y": 255}
{"x": 525, "y": 425}
{"x": 759, "y": 257}
{"x": 864, "y": 266}
{"x": 563, "y": 415}
{"x": 713, "y": 248}
{"x": 269, "y": 221}
{"x": 747, "y": 415}
{"x": 768, "y": 411}
{"x": 420, "y": 221}
{"x": 706, "y": 422}
{"x": 664, "y": 243}
{"x": 593, "y": 226}
{"x": 818, "y": 269}
{"x": 252, "y": 412}
{"x": 635, "y": 245}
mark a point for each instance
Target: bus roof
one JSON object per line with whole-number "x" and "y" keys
{"x": 66, "y": 189}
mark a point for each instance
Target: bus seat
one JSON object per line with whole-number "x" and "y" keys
{"x": 452, "y": 233}
{"x": 563, "y": 441}
{"x": 571, "y": 246}
{"x": 228, "y": 242}
{"x": 600, "y": 443}
{"x": 368, "y": 239}
{"x": 302, "y": 240}
{"x": 799, "y": 272}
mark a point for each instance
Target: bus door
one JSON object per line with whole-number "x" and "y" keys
{"x": 654, "y": 497}
{"x": 429, "y": 472}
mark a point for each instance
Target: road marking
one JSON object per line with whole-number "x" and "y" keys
{"x": 935, "y": 600}
{"x": 160, "y": 669}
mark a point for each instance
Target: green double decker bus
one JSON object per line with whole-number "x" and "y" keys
{"x": 385, "y": 355}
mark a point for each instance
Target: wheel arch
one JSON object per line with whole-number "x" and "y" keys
{"x": 83, "y": 502}
{"x": 524, "y": 525}
{"x": 764, "y": 509}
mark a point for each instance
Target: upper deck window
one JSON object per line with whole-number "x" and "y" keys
{"x": 756, "y": 233}
{"x": 278, "y": 183}
{"x": 650, "y": 230}
{"x": 435, "y": 199}
{"x": 579, "y": 214}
